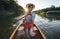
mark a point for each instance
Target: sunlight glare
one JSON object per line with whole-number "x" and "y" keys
{"x": 26, "y": 9}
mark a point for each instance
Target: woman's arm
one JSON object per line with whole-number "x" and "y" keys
{"x": 19, "y": 19}
{"x": 33, "y": 17}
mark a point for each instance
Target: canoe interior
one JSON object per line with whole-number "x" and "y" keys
{"x": 20, "y": 34}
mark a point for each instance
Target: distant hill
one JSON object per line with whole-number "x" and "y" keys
{"x": 52, "y": 8}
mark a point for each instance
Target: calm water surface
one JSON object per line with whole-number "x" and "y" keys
{"x": 50, "y": 25}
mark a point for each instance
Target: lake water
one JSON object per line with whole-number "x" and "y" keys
{"x": 50, "y": 25}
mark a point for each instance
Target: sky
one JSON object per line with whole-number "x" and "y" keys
{"x": 39, "y": 4}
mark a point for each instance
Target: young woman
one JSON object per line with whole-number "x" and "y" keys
{"x": 29, "y": 20}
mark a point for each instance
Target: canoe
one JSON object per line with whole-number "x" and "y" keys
{"x": 18, "y": 33}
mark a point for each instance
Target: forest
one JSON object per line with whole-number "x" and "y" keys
{"x": 9, "y": 9}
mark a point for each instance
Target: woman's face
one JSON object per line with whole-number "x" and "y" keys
{"x": 30, "y": 9}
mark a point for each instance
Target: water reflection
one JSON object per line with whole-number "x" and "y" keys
{"x": 50, "y": 25}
